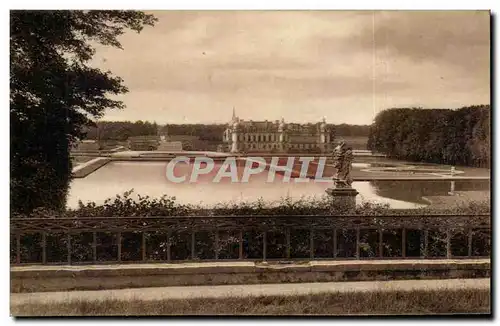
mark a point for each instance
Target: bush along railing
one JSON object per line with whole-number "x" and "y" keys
{"x": 87, "y": 240}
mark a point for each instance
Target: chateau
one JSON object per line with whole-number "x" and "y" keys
{"x": 278, "y": 136}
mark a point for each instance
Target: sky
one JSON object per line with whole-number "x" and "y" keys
{"x": 346, "y": 66}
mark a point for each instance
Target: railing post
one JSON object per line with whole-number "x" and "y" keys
{"x": 469, "y": 244}
{"x": 380, "y": 243}
{"x": 334, "y": 243}
{"x": 426, "y": 243}
{"x": 264, "y": 245}
{"x": 18, "y": 248}
{"x": 357, "y": 243}
{"x": 44, "y": 248}
{"x": 216, "y": 244}
{"x": 193, "y": 253}
{"x": 240, "y": 246}
{"x": 169, "y": 235}
{"x": 287, "y": 233}
{"x": 119, "y": 240}
{"x": 94, "y": 247}
{"x": 311, "y": 243}
{"x": 68, "y": 244}
{"x": 403, "y": 242}
{"x": 143, "y": 245}
{"x": 448, "y": 244}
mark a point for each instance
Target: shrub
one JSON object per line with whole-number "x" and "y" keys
{"x": 126, "y": 206}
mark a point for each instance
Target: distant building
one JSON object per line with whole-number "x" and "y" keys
{"x": 143, "y": 143}
{"x": 277, "y": 136}
{"x": 188, "y": 142}
{"x": 86, "y": 145}
{"x": 175, "y": 146}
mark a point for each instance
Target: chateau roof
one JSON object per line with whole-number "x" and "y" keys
{"x": 270, "y": 126}
{"x": 254, "y": 126}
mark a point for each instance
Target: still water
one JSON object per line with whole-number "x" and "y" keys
{"x": 148, "y": 178}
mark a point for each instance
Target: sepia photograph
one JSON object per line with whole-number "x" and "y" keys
{"x": 250, "y": 163}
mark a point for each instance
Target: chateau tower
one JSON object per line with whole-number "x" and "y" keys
{"x": 322, "y": 135}
{"x": 234, "y": 132}
{"x": 281, "y": 130}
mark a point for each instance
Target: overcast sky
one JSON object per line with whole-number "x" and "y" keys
{"x": 193, "y": 67}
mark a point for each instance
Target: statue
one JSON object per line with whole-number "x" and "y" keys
{"x": 343, "y": 157}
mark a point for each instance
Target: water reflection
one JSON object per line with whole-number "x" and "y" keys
{"x": 415, "y": 189}
{"x": 148, "y": 178}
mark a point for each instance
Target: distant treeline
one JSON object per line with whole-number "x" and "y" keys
{"x": 456, "y": 137}
{"x": 215, "y": 131}
{"x": 351, "y": 130}
{"x": 211, "y": 132}
{"x": 121, "y": 130}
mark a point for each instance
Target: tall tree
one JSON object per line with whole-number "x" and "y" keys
{"x": 460, "y": 137}
{"x": 54, "y": 93}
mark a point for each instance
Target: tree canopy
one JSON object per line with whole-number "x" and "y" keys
{"x": 457, "y": 137}
{"x": 54, "y": 92}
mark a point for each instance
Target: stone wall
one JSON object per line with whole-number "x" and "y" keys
{"x": 67, "y": 278}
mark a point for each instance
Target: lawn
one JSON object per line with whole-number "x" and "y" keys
{"x": 353, "y": 303}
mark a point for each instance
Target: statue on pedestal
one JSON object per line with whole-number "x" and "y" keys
{"x": 343, "y": 157}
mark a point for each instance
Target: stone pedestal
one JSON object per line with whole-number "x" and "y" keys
{"x": 344, "y": 198}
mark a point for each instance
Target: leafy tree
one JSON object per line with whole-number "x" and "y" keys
{"x": 457, "y": 137}
{"x": 54, "y": 93}
{"x": 120, "y": 130}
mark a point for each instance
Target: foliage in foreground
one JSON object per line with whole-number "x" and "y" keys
{"x": 132, "y": 205}
{"x": 372, "y": 303}
{"x": 54, "y": 92}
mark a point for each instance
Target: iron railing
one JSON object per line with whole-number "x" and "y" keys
{"x": 315, "y": 237}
